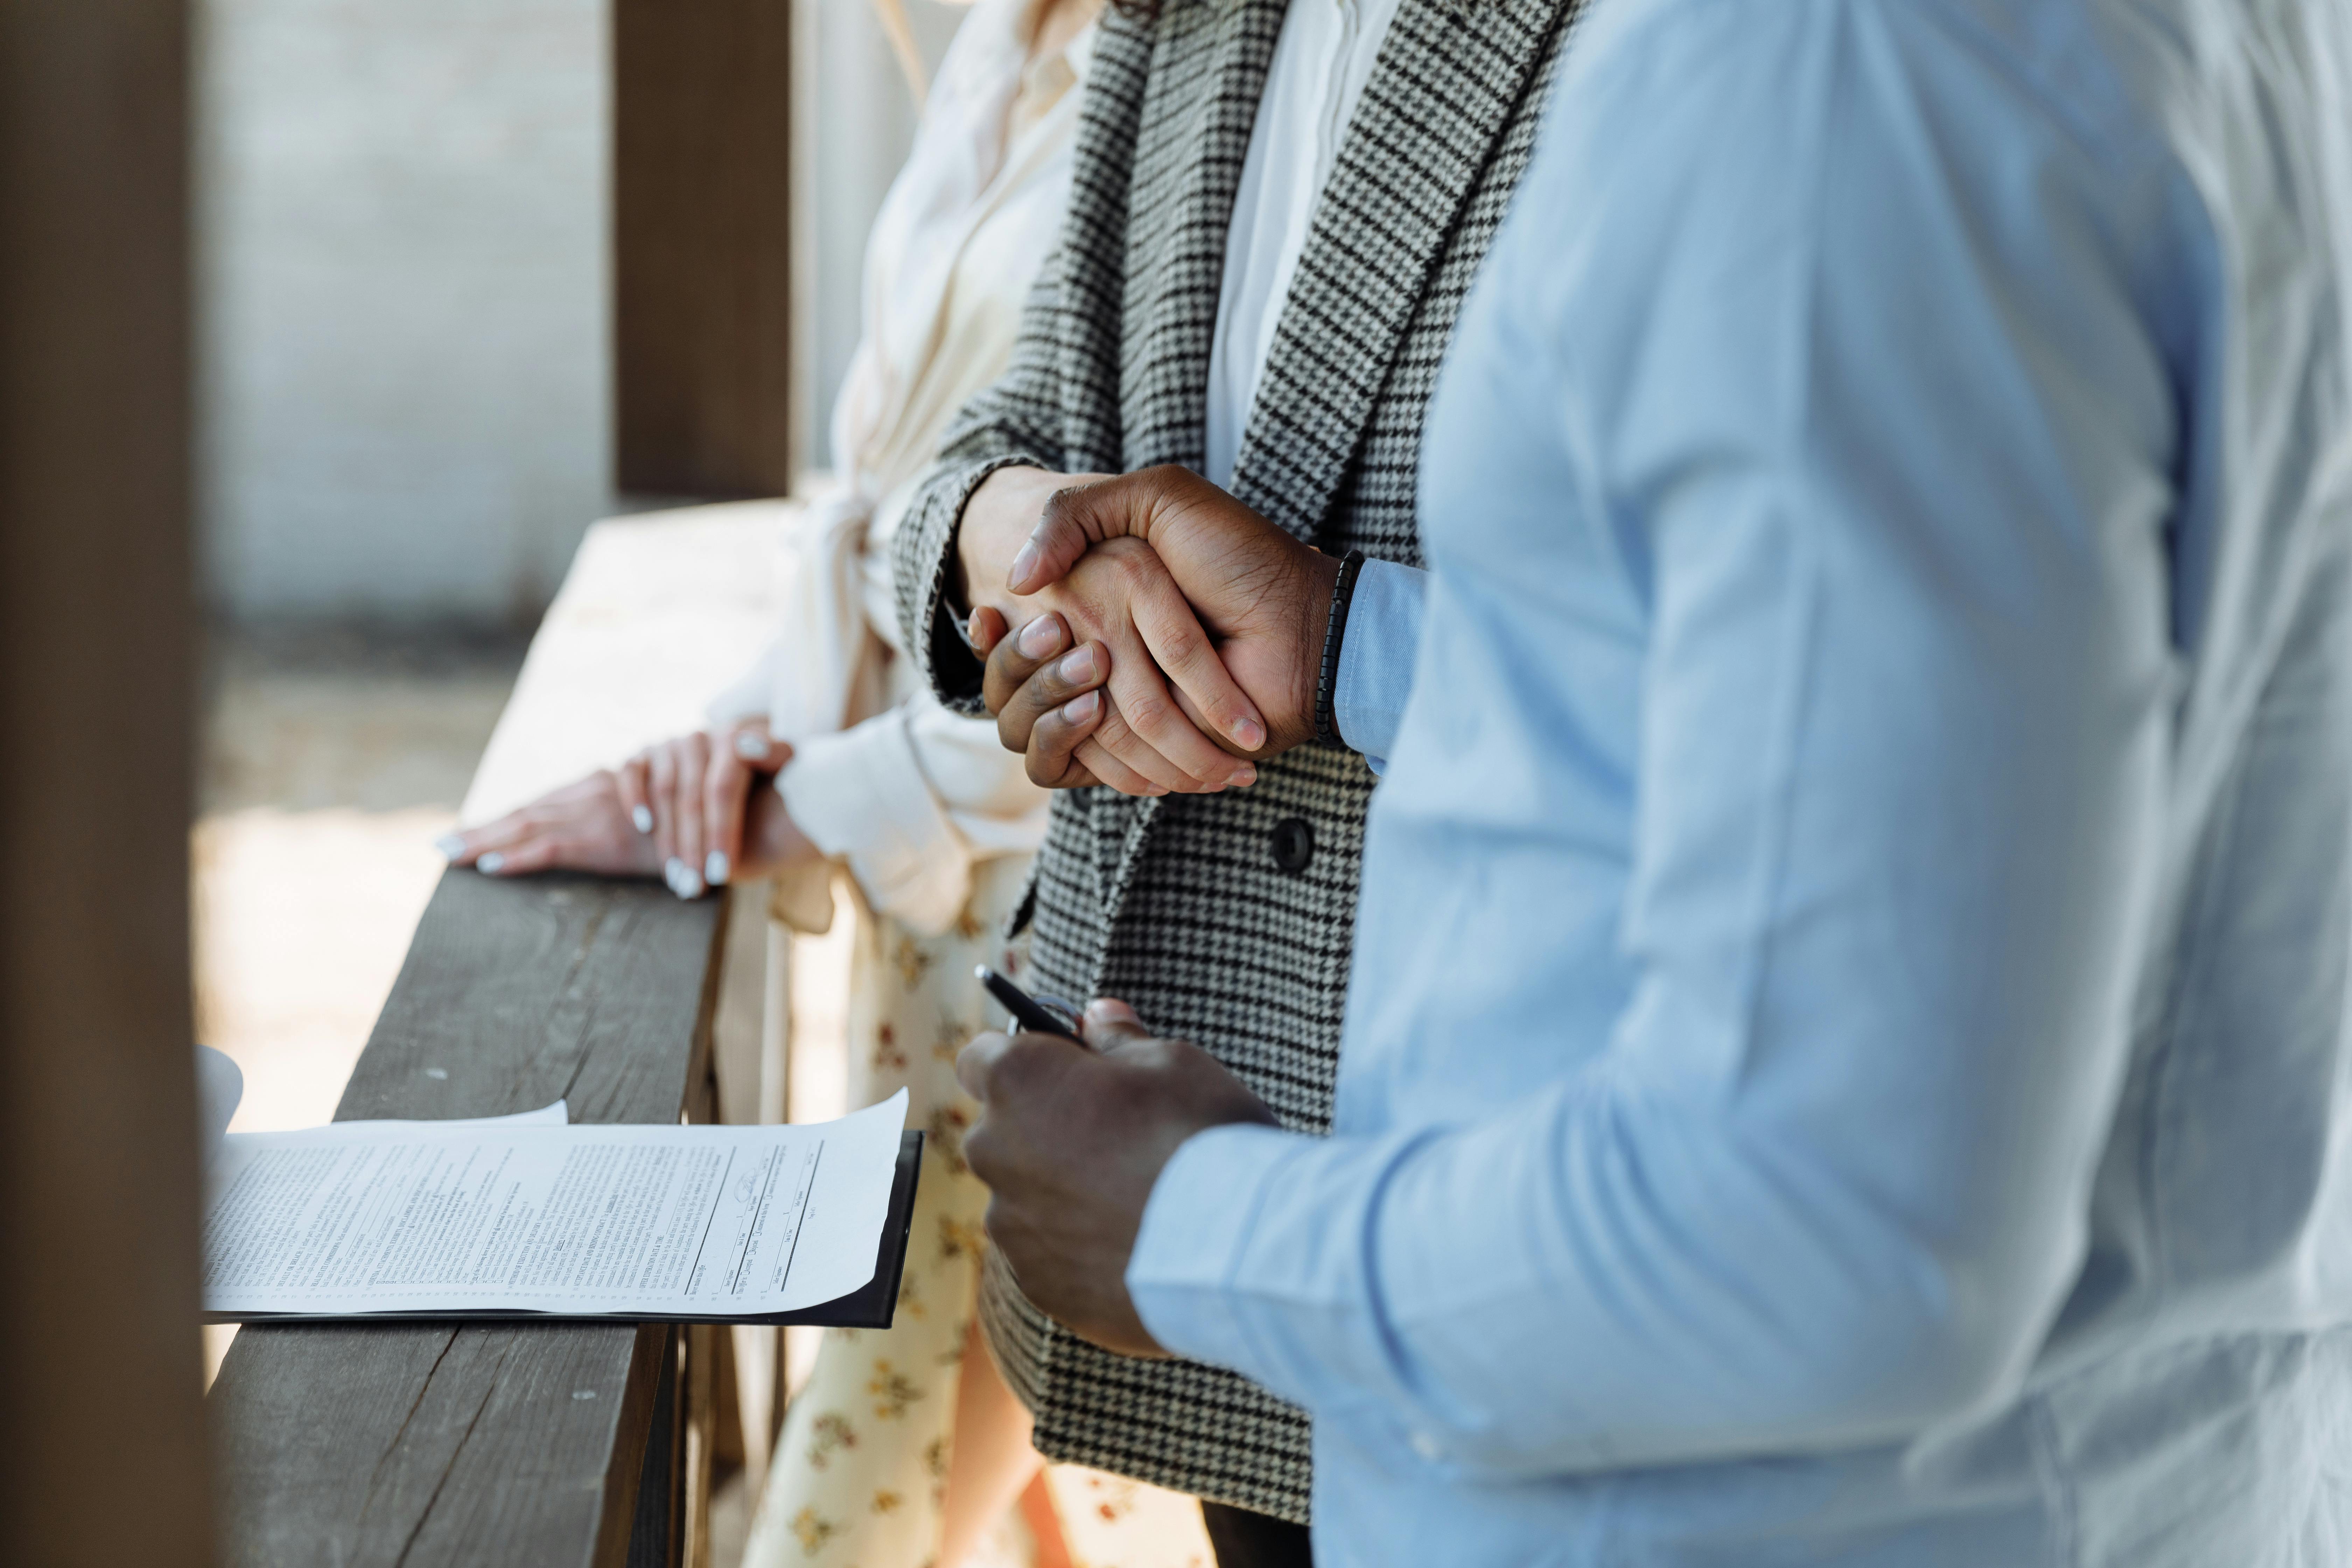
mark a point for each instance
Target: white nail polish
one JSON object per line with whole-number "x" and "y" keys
{"x": 715, "y": 869}
{"x": 450, "y": 844}
{"x": 643, "y": 817}
{"x": 689, "y": 885}
{"x": 749, "y": 746}
{"x": 490, "y": 863}
{"x": 673, "y": 871}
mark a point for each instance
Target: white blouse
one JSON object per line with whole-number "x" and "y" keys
{"x": 1321, "y": 62}
{"x": 910, "y": 796}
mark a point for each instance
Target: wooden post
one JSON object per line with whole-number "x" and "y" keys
{"x": 701, "y": 251}
{"x": 101, "y": 1372}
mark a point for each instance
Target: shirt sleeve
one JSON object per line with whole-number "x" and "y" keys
{"x": 1014, "y": 424}
{"x": 911, "y": 800}
{"x": 1376, "y": 653}
{"x": 749, "y": 694}
{"x": 1850, "y": 329}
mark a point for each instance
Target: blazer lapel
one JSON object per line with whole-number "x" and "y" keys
{"x": 1193, "y": 134}
{"x": 1192, "y": 139}
{"x": 1449, "y": 81}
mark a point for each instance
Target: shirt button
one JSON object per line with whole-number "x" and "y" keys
{"x": 1426, "y": 1446}
{"x": 1294, "y": 843}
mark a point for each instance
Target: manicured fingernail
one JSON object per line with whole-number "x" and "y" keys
{"x": 450, "y": 844}
{"x": 643, "y": 817}
{"x": 1080, "y": 709}
{"x": 1038, "y": 637}
{"x": 490, "y": 863}
{"x": 1078, "y": 666}
{"x": 751, "y": 746}
{"x": 714, "y": 868}
{"x": 1249, "y": 734}
{"x": 674, "y": 873}
{"x": 690, "y": 882}
{"x": 1023, "y": 563}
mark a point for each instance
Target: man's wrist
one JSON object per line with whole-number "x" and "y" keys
{"x": 1320, "y": 575}
{"x": 1335, "y": 630}
{"x": 1196, "y": 1224}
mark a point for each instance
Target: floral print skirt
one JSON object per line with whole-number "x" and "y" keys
{"x": 860, "y": 1471}
{"x": 859, "y": 1477}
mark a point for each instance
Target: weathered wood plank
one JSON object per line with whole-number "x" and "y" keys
{"x": 365, "y": 1445}
{"x": 356, "y": 1445}
{"x": 654, "y": 1540}
{"x": 518, "y": 993}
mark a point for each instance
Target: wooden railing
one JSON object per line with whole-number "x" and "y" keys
{"x": 524, "y": 1446}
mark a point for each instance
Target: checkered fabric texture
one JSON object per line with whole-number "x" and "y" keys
{"x": 1177, "y": 904}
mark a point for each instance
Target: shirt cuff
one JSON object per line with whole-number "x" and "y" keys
{"x": 1195, "y": 1226}
{"x": 860, "y": 795}
{"x": 924, "y": 553}
{"x": 1377, "y": 649}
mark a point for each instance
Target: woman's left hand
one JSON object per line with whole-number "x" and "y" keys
{"x": 692, "y": 810}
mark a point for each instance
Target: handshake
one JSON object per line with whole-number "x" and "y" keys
{"x": 1147, "y": 632}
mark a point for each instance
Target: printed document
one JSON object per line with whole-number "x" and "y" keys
{"x": 525, "y": 1213}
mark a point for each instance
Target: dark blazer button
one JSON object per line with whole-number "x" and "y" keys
{"x": 1294, "y": 843}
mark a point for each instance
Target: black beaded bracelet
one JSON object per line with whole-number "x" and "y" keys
{"x": 1327, "y": 684}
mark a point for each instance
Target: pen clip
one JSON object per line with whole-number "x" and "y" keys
{"x": 1068, "y": 1017}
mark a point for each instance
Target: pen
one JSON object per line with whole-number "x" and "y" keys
{"x": 1050, "y": 1016}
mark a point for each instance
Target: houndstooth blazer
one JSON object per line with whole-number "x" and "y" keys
{"x": 1182, "y": 904}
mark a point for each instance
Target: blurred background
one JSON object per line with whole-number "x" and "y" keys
{"x": 405, "y": 423}
{"x": 429, "y": 234}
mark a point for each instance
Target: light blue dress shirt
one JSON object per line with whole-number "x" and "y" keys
{"x": 1847, "y": 1060}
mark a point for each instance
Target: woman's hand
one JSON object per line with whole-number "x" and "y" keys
{"x": 1046, "y": 706}
{"x": 695, "y": 811}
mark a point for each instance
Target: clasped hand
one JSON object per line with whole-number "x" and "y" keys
{"x": 1163, "y": 635}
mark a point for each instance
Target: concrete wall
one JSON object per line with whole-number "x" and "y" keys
{"x": 405, "y": 408}
{"x": 402, "y": 292}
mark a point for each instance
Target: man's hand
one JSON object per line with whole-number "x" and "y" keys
{"x": 1263, "y": 598}
{"x": 1070, "y": 1142}
{"x": 1123, "y": 596}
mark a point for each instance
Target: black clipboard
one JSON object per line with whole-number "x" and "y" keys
{"x": 874, "y": 1305}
